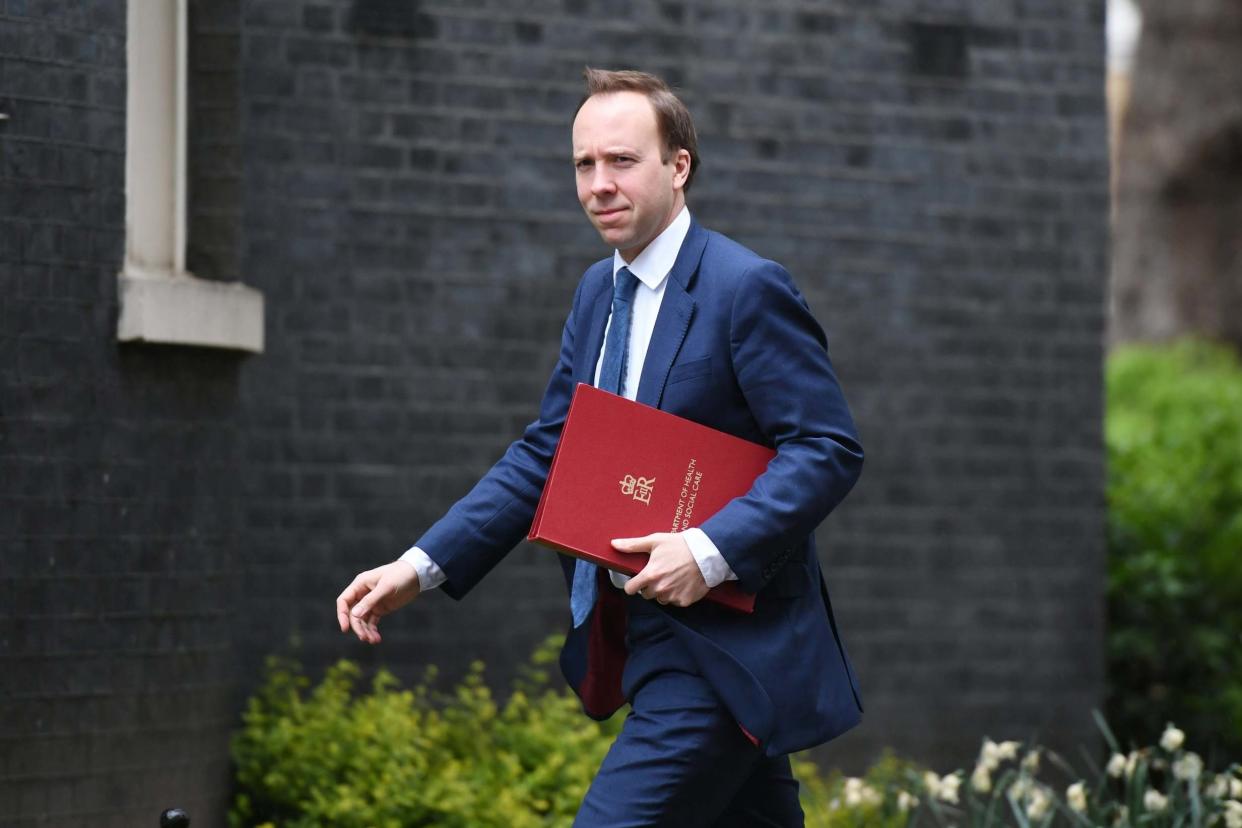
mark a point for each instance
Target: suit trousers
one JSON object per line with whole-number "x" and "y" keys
{"x": 681, "y": 759}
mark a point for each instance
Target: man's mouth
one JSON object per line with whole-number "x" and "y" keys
{"x": 604, "y": 215}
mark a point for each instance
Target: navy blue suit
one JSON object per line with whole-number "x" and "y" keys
{"x": 735, "y": 347}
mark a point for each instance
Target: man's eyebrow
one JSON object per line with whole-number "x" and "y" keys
{"x": 608, "y": 153}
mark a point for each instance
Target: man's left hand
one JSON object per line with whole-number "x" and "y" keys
{"x": 672, "y": 576}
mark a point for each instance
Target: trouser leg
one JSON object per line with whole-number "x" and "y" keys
{"x": 681, "y": 759}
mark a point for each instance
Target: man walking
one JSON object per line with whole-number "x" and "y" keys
{"x": 686, "y": 320}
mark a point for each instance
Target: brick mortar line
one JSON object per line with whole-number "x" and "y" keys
{"x": 789, "y": 103}
{"x": 892, "y": 79}
{"x": 844, "y": 11}
{"x": 40, "y": 21}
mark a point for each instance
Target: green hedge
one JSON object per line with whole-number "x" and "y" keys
{"x": 391, "y": 758}
{"x": 394, "y": 757}
{"x": 1174, "y": 435}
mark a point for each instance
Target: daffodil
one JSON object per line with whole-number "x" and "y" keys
{"x": 948, "y": 787}
{"x": 1153, "y": 800}
{"x": 1188, "y": 766}
{"x": 981, "y": 779}
{"x": 1172, "y": 738}
{"x": 1039, "y": 804}
{"x": 1076, "y": 796}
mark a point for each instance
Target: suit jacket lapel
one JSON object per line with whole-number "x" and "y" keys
{"x": 673, "y": 320}
{"x": 591, "y": 334}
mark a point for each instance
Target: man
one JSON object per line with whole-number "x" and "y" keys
{"x": 686, "y": 320}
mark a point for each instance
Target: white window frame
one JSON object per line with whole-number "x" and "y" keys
{"x": 160, "y": 300}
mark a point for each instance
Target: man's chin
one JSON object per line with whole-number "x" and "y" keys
{"x": 614, "y": 237}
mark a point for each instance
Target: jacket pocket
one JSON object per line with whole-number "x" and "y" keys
{"x": 689, "y": 370}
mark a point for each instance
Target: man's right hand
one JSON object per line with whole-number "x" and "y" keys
{"x": 374, "y": 594}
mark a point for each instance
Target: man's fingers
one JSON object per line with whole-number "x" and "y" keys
{"x": 363, "y": 607}
{"x": 366, "y": 631}
{"x": 637, "y": 545}
{"x": 636, "y": 584}
{"x": 348, "y": 597}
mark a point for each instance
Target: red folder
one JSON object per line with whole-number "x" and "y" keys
{"x": 623, "y": 469}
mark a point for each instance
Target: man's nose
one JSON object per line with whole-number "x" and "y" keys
{"x": 602, "y": 182}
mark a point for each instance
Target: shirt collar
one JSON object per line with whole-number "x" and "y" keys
{"x": 657, "y": 259}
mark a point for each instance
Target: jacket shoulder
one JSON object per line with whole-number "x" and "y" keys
{"x": 733, "y": 264}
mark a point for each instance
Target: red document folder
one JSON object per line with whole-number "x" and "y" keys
{"x": 623, "y": 469}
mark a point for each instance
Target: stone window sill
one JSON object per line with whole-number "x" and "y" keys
{"x": 186, "y": 310}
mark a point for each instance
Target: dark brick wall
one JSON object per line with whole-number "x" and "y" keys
{"x": 118, "y": 518}
{"x": 936, "y": 184}
{"x": 394, "y": 177}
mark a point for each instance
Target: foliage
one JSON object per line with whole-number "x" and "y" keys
{"x": 394, "y": 758}
{"x": 1160, "y": 786}
{"x": 874, "y": 800}
{"x": 1174, "y": 434}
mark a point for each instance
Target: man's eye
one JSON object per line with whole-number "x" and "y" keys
{"x": 624, "y": 159}
{"x": 582, "y": 165}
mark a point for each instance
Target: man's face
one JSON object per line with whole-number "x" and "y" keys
{"x": 629, "y": 194}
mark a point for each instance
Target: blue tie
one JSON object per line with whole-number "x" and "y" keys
{"x": 611, "y": 378}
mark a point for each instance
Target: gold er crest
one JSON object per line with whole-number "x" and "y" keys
{"x": 639, "y": 487}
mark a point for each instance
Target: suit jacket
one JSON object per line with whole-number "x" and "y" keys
{"x": 735, "y": 347}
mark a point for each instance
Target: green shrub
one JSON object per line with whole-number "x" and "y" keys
{"x": 394, "y": 758}
{"x": 1174, "y": 434}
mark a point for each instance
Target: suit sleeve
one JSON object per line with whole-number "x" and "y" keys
{"x": 484, "y": 526}
{"x": 780, "y": 359}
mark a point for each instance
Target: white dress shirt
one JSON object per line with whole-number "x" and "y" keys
{"x": 652, "y": 267}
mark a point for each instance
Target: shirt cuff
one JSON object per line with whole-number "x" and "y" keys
{"x": 711, "y": 563}
{"x": 430, "y": 575}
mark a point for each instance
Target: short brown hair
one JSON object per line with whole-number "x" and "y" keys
{"x": 672, "y": 117}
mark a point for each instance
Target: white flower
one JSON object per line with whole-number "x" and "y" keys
{"x": 1076, "y": 796}
{"x": 1218, "y": 788}
{"x": 906, "y": 801}
{"x": 1031, "y": 762}
{"x": 942, "y": 787}
{"x": 1039, "y": 804}
{"x": 1020, "y": 788}
{"x": 1235, "y": 788}
{"x": 1172, "y": 738}
{"x": 948, "y": 787}
{"x": 1116, "y": 765}
{"x": 858, "y": 792}
{"x": 989, "y": 756}
{"x": 834, "y": 803}
{"x": 1188, "y": 766}
{"x": 1153, "y": 800}
{"x": 1008, "y": 750}
{"x": 1132, "y": 763}
{"x": 1123, "y": 814}
{"x": 1233, "y": 814}
{"x": 981, "y": 779}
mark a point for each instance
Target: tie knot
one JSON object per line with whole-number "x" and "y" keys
{"x": 625, "y": 285}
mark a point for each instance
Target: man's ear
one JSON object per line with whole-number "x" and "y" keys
{"x": 681, "y": 168}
